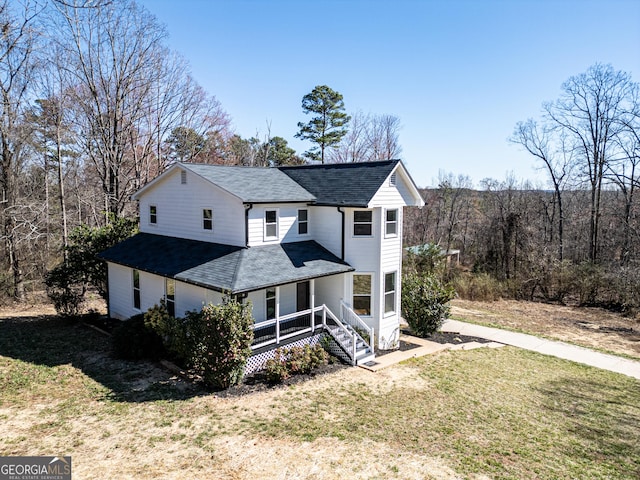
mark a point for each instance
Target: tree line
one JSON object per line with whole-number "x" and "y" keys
{"x": 94, "y": 105}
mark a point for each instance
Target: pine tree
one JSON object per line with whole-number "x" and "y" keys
{"x": 328, "y": 126}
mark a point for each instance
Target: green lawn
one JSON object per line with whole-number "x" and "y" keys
{"x": 503, "y": 413}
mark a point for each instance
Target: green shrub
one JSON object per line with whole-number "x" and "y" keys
{"x": 294, "y": 360}
{"x": 277, "y": 369}
{"x": 219, "y": 341}
{"x": 67, "y": 283}
{"x": 133, "y": 340}
{"x": 66, "y": 289}
{"x": 425, "y": 303}
{"x": 171, "y": 330}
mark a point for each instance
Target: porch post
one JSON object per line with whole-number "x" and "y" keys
{"x": 312, "y": 287}
{"x": 277, "y": 315}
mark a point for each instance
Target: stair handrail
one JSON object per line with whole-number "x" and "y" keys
{"x": 352, "y": 317}
{"x": 353, "y": 335}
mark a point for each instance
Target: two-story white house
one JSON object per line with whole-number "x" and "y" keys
{"x": 314, "y": 248}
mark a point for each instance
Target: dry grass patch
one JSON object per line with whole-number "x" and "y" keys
{"x": 588, "y": 327}
{"x": 479, "y": 414}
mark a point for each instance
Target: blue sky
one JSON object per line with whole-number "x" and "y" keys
{"x": 459, "y": 74}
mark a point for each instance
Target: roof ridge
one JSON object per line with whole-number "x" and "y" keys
{"x": 339, "y": 165}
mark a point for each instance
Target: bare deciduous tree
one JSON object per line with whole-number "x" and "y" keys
{"x": 18, "y": 63}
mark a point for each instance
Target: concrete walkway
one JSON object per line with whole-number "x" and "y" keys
{"x": 563, "y": 350}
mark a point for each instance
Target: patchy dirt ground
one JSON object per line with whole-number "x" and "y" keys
{"x": 589, "y": 327}
{"x": 129, "y": 420}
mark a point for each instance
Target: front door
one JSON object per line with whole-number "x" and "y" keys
{"x": 303, "y": 297}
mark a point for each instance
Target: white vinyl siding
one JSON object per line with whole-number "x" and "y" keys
{"x": 397, "y": 195}
{"x": 179, "y": 215}
{"x": 152, "y": 290}
{"x": 286, "y": 226}
{"x": 120, "y": 285}
{"x": 326, "y": 228}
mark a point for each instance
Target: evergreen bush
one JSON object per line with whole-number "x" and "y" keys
{"x": 219, "y": 339}
{"x": 425, "y": 302}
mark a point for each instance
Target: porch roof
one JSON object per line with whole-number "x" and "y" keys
{"x": 226, "y": 268}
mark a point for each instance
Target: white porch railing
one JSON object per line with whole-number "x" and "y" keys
{"x": 278, "y": 329}
{"x": 273, "y": 332}
{"x": 352, "y": 318}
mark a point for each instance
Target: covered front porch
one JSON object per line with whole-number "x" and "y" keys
{"x": 296, "y": 311}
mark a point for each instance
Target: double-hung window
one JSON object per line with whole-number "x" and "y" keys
{"x": 390, "y": 292}
{"x": 136, "y": 289}
{"x": 153, "y": 214}
{"x": 170, "y": 296}
{"x": 362, "y": 293}
{"x": 391, "y": 223}
{"x": 303, "y": 222}
{"x": 271, "y": 303}
{"x": 362, "y": 223}
{"x": 270, "y": 224}
{"x": 207, "y": 219}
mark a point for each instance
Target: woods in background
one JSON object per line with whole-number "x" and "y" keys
{"x": 94, "y": 105}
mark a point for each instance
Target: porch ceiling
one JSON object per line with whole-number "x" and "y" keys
{"x": 224, "y": 267}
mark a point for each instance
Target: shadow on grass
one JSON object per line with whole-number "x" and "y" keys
{"x": 603, "y": 415}
{"x": 51, "y": 341}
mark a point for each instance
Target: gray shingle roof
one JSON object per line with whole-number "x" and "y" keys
{"x": 224, "y": 267}
{"x": 253, "y": 184}
{"x": 347, "y": 184}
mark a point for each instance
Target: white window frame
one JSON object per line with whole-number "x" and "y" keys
{"x": 268, "y": 298}
{"x": 266, "y": 225}
{"x": 153, "y": 214}
{"x": 387, "y": 223}
{"x": 354, "y": 294}
{"x": 135, "y": 287}
{"x": 170, "y": 301}
{"x": 355, "y": 223}
{"x": 205, "y": 219}
{"x": 303, "y": 222}
{"x": 392, "y": 292}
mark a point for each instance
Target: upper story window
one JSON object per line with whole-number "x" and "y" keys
{"x": 362, "y": 223}
{"x": 153, "y": 214}
{"x": 207, "y": 219}
{"x": 362, "y": 293}
{"x": 136, "y": 289}
{"x": 390, "y": 292}
{"x": 391, "y": 223}
{"x": 271, "y": 224}
{"x": 303, "y": 222}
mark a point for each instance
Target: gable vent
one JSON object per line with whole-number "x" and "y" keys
{"x": 392, "y": 180}
{"x": 183, "y": 177}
